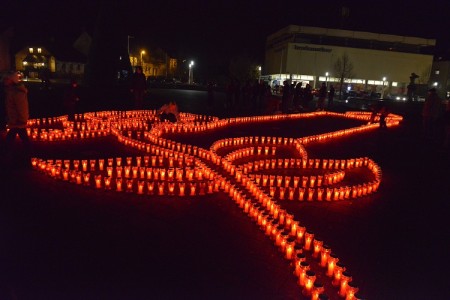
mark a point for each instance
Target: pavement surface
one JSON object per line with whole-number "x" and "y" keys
{"x": 63, "y": 241}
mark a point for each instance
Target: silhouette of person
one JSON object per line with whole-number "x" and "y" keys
{"x": 430, "y": 114}
{"x": 138, "y": 87}
{"x": 322, "y": 96}
{"x": 17, "y": 111}
{"x": 169, "y": 112}
{"x": 71, "y": 97}
{"x": 285, "y": 98}
{"x": 331, "y": 96}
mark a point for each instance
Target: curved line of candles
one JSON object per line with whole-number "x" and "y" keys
{"x": 173, "y": 168}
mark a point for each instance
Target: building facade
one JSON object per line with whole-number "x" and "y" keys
{"x": 155, "y": 63}
{"x": 38, "y": 63}
{"x": 440, "y": 77}
{"x": 380, "y": 62}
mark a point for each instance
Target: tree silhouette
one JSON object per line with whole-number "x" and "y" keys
{"x": 343, "y": 68}
{"x": 108, "y": 59}
{"x": 243, "y": 68}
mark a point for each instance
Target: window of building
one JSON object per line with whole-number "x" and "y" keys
{"x": 436, "y": 72}
{"x": 394, "y": 83}
{"x": 30, "y": 49}
{"x": 39, "y": 50}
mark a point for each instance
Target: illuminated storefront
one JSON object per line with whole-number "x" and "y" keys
{"x": 380, "y": 62}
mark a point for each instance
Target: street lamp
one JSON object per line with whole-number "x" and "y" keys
{"x": 326, "y": 79}
{"x": 191, "y": 77}
{"x": 142, "y": 62}
{"x": 259, "y": 73}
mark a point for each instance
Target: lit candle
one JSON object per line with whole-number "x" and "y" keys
{"x": 338, "y": 270}
{"x": 309, "y": 236}
{"x": 310, "y": 277}
{"x": 317, "y": 289}
{"x": 345, "y": 279}
{"x": 98, "y": 181}
{"x": 303, "y": 267}
{"x": 332, "y": 261}
{"x": 352, "y": 289}
{"x": 317, "y": 245}
{"x": 324, "y": 254}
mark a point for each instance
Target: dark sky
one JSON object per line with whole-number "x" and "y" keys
{"x": 211, "y": 32}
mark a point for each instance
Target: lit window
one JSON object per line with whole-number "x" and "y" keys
{"x": 39, "y": 50}
{"x": 436, "y": 72}
{"x": 25, "y": 63}
{"x": 31, "y": 50}
{"x": 394, "y": 83}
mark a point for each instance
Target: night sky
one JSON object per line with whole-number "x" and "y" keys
{"x": 212, "y": 32}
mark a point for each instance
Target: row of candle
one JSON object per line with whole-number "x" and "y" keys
{"x": 325, "y": 164}
{"x": 328, "y": 194}
{"x": 245, "y": 181}
{"x": 149, "y": 173}
{"x": 158, "y": 185}
{"x": 346, "y": 290}
{"x": 297, "y": 181}
{"x": 136, "y": 161}
{"x": 296, "y": 244}
{"x": 343, "y": 281}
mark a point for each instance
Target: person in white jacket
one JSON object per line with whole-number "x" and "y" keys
{"x": 17, "y": 112}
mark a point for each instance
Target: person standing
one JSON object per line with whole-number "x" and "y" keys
{"x": 138, "y": 87}
{"x": 17, "y": 114}
{"x": 331, "y": 96}
{"x": 286, "y": 97}
{"x": 430, "y": 114}
{"x": 322, "y": 96}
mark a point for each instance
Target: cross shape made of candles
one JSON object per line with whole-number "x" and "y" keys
{"x": 246, "y": 168}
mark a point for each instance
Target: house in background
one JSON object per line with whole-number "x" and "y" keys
{"x": 37, "y": 62}
{"x": 155, "y": 62}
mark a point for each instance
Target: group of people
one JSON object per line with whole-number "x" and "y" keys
{"x": 252, "y": 94}
{"x": 298, "y": 98}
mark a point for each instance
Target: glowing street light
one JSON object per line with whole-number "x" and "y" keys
{"x": 259, "y": 73}
{"x": 326, "y": 78}
{"x": 142, "y": 53}
{"x": 191, "y": 75}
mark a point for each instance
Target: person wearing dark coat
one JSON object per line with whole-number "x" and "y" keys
{"x": 138, "y": 88}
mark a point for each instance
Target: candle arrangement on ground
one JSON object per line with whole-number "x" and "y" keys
{"x": 259, "y": 173}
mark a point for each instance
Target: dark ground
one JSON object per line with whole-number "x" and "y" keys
{"x": 62, "y": 241}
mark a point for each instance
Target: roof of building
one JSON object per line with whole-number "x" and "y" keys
{"x": 363, "y": 35}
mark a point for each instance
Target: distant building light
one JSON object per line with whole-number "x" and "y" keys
{"x": 394, "y": 83}
{"x": 436, "y": 72}
{"x": 39, "y": 50}
{"x": 435, "y": 84}
{"x": 25, "y": 63}
{"x": 30, "y": 49}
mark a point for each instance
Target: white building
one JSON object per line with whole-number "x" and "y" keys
{"x": 380, "y": 61}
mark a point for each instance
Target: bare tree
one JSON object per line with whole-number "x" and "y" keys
{"x": 343, "y": 68}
